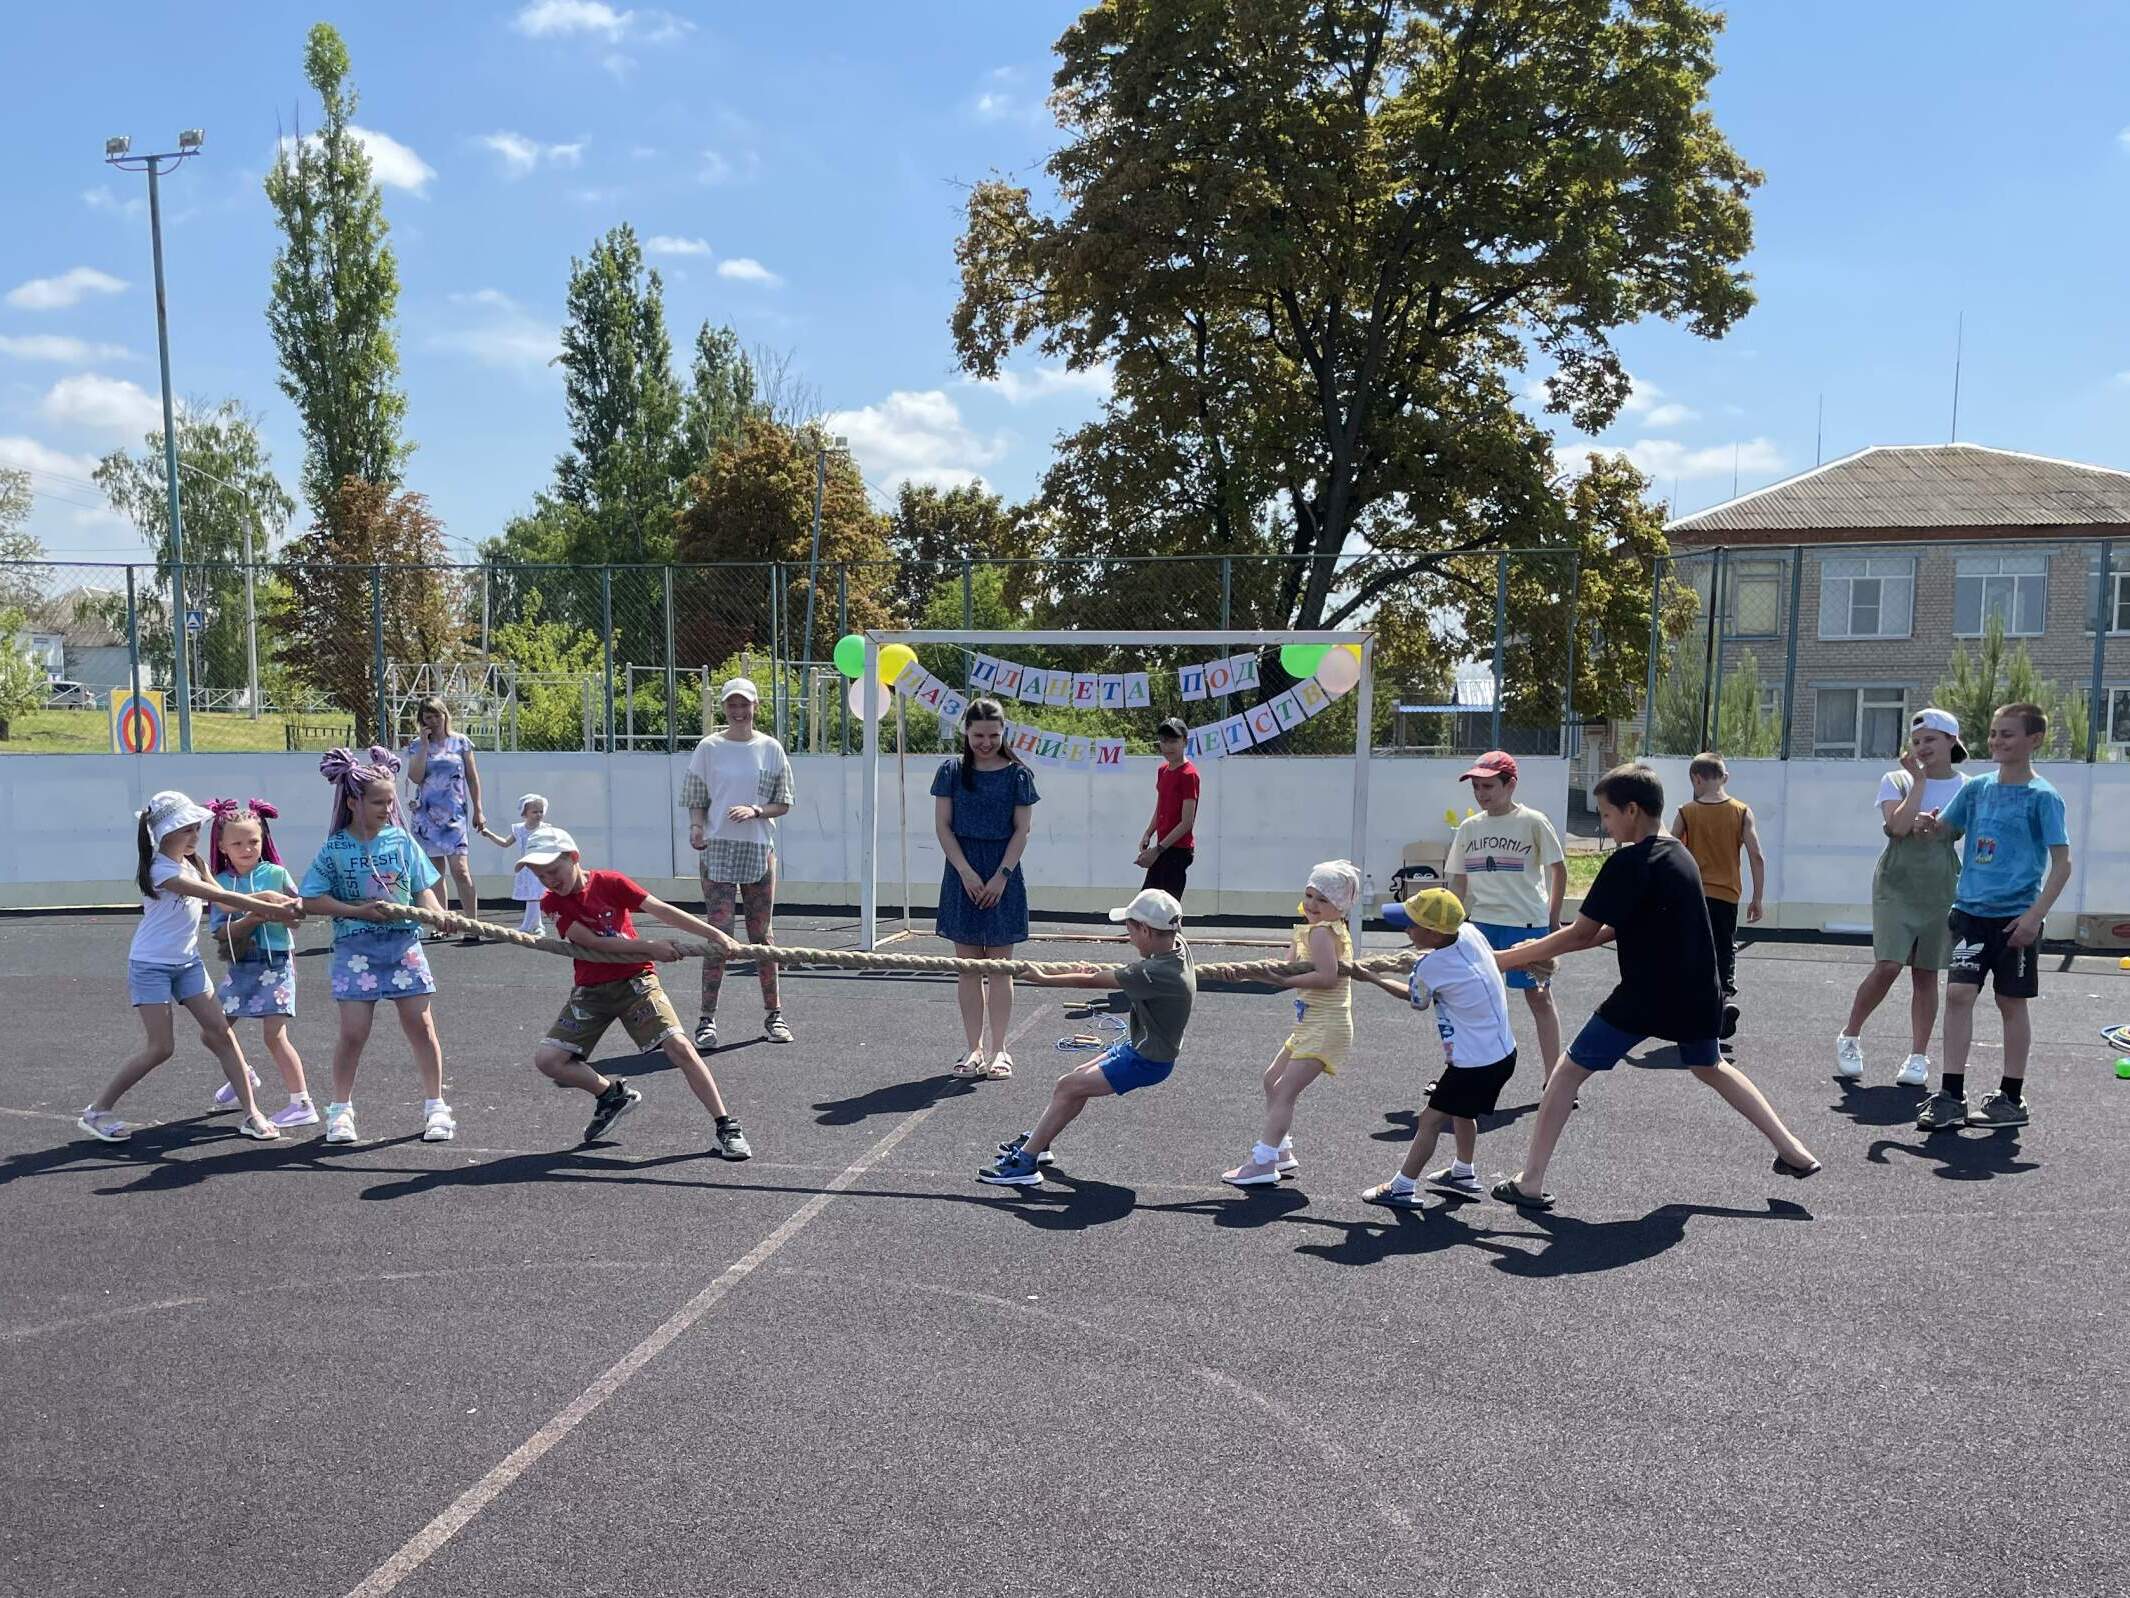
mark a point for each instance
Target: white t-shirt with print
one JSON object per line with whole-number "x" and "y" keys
{"x": 1503, "y": 860}
{"x": 1938, "y": 792}
{"x": 169, "y": 933}
{"x": 1470, "y": 1000}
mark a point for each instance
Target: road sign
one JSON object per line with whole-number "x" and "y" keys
{"x": 195, "y": 621}
{"x": 137, "y": 723}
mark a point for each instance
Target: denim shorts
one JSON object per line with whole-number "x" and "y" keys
{"x": 1125, "y": 1068}
{"x": 384, "y": 962}
{"x": 1501, "y": 936}
{"x": 148, "y": 983}
{"x": 1600, "y": 1046}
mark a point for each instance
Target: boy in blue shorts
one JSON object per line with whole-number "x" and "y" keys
{"x": 1159, "y": 986}
{"x": 2010, "y": 824}
{"x": 1648, "y": 899}
{"x": 1506, "y": 867}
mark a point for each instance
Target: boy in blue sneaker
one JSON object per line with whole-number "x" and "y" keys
{"x": 1160, "y": 986}
{"x": 2010, "y": 823}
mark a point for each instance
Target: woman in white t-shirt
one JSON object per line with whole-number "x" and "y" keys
{"x": 738, "y": 783}
{"x": 1911, "y": 896}
{"x": 163, "y": 967}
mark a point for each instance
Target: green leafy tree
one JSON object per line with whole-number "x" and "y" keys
{"x": 335, "y": 293}
{"x": 22, "y": 677}
{"x": 932, "y": 528}
{"x": 1314, "y": 240}
{"x": 722, "y": 394}
{"x": 21, "y": 581}
{"x": 1975, "y": 684}
{"x": 231, "y": 500}
{"x": 558, "y": 674}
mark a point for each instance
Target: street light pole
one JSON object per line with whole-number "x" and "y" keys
{"x": 116, "y": 154}
{"x": 840, "y": 446}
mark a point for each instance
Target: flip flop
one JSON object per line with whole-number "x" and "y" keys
{"x": 1508, "y": 1192}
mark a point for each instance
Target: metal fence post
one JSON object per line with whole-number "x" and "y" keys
{"x": 133, "y": 644}
{"x": 1227, "y": 592}
{"x": 672, "y": 674}
{"x": 779, "y": 602}
{"x": 606, "y": 648}
{"x": 1575, "y": 592}
{"x": 843, "y": 628}
{"x": 968, "y": 596}
{"x": 2103, "y": 618}
{"x": 1789, "y": 662}
{"x": 377, "y": 651}
{"x": 1501, "y": 627}
{"x": 1708, "y": 649}
{"x": 1718, "y": 580}
{"x": 1656, "y": 631}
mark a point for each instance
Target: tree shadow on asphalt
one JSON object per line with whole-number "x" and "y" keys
{"x": 1960, "y": 1158}
{"x": 150, "y": 1149}
{"x": 895, "y": 1098}
{"x": 1884, "y": 1105}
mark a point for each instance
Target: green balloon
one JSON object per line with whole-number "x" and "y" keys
{"x": 850, "y": 654}
{"x": 1300, "y": 661}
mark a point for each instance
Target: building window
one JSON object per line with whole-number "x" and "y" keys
{"x": 2118, "y": 728}
{"x": 1866, "y": 596}
{"x": 2118, "y": 606}
{"x": 1752, "y": 598}
{"x": 2012, "y": 589}
{"x": 1860, "y": 723}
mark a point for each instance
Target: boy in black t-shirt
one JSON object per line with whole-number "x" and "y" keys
{"x": 1648, "y": 899}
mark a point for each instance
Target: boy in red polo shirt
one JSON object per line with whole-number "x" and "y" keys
{"x": 1167, "y": 847}
{"x": 593, "y": 909}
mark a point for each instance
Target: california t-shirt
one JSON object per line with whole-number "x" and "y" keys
{"x": 1471, "y": 1002}
{"x": 1503, "y": 860}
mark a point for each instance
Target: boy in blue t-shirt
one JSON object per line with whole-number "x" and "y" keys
{"x": 2011, "y": 826}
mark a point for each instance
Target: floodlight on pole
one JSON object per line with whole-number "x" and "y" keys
{"x": 114, "y": 148}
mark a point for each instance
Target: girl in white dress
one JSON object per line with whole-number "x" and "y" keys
{"x": 524, "y": 887}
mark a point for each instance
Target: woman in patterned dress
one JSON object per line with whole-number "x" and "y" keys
{"x": 447, "y": 797}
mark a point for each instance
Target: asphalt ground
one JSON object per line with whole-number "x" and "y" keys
{"x": 511, "y": 1365}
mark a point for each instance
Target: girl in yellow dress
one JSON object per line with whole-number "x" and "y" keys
{"x": 1323, "y": 1020}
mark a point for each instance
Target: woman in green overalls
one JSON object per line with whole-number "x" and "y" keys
{"x": 1911, "y": 896}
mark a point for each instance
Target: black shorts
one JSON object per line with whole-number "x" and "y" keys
{"x": 1472, "y": 1090}
{"x": 1982, "y": 948}
{"x": 1169, "y": 869}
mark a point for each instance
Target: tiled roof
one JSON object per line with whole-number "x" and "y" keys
{"x": 1924, "y": 486}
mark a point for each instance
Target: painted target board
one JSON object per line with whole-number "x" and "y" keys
{"x": 137, "y": 723}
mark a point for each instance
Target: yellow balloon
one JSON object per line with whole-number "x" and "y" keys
{"x": 894, "y": 660}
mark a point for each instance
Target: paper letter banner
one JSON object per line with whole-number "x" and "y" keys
{"x": 1032, "y": 680}
{"x": 1264, "y": 724}
{"x": 1220, "y": 678}
{"x": 983, "y": 671}
{"x": 1288, "y": 710}
{"x": 1025, "y": 739}
{"x": 1235, "y": 733}
{"x": 1083, "y": 690}
{"x": 1310, "y": 694}
{"x": 1005, "y": 679}
{"x": 952, "y": 707}
{"x": 1109, "y": 754}
{"x": 931, "y": 693}
{"x": 1079, "y": 753}
{"x": 1245, "y": 668}
{"x": 1057, "y": 688}
{"x": 1191, "y": 682}
{"x": 1109, "y": 692}
{"x": 1137, "y": 695}
{"x": 1206, "y": 743}
{"x": 912, "y": 677}
{"x": 1050, "y": 747}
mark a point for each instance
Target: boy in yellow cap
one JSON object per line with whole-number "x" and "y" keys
{"x": 1455, "y": 976}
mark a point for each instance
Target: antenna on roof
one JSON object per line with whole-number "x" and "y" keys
{"x": 1959, "y": 346}
{"x": 1734, "y": 471}
{"x": 1819, "y": 428}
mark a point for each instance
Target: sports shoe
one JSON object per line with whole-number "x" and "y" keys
{"x": 1012, "y": 1170}
{"x": 1848, "y": 1058}
{"x": 2000, "y": 1109}
{"x": 104, "y": 1124}
{"x": 1914, "y": 1072}
{"x": 1287, "y": 1165}
{"x": 1252, "y": 1174}
{"x": 472, "y": 940}
{"x": 731, "y": 1141}
{"x": 1448, "y": 1181}
{"x": 340, "y": 1123}
{"x": 611, "y": 1105}
{"x": 1014, "y": 1145}
{"x": 1942, "y": 1113}
{"x": 225, "y": 1096}
{"x": 774, "y": 1029}
{"x": 706, "y": 1034}
{"x": 297, "y": 1112}
{"x": 437, "y": 1124}
{"x": 1729, "y": 1028}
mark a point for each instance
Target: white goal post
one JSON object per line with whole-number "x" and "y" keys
{"x": 879, "y": 639}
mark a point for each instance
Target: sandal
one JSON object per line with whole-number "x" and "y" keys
{"x": 1390, "y": 1198}
{"x": 1508, "y": 1192}
{"x": 259, "y": 1129}
{"x": 1784, "y": 1168}
{"x": 971, "y": 1067}
{"x": 1000, "y": 1068}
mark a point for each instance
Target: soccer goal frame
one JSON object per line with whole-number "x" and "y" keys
{"x": 877, "y": 639}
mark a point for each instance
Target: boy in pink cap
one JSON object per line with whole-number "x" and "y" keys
{"x": 1508, "y": 871}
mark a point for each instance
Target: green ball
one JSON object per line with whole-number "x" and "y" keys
{"x": 1300, "y": 661}
{"x": 2122, "y": 1069}
{"x": 850, "y": 655}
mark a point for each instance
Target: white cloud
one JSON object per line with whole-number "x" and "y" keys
{"x": 103, "y": 404}
{"x": 1019, "y": 388}
{"x": 1670, "y": 414}
{"x": 916, "y": 438}
{"x": 742, "y": 269}
{"x": 1662, "y": 459}
{"x": 101, "y": 198}
{"x": 547, "y": 19}
{"x": 392, "y": 164}
{"x": 569, "y": 155}
{"x": 2123, "y": 139}
{"x": 520, "y": 154}
{"x": 508, "y": 336}
{"x": 667, "y": 244}
{"x": 1001, "y": 100}
{"x": 58, "y": 348}
{"x": 31, "y": 455}
{"x": 71, "y": 287}
{"x": 2122, "y": 379}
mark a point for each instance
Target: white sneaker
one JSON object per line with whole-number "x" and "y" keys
{"x": 225, "y": 1096}
{"x": 1287, "y": 1165}
{"x": 1848, "y": 1057}
{"x": 340, "y": 1123}
{"x": 438, "y": 1126}
{"x": 1915, "y": 1071}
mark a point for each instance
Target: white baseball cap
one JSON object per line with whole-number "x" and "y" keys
{"x": 1936, "y": 720}
{"x": 171, "y": 811}
{"x": 744, "y": 687}
{"x": 1152, "y": 908}
{"x": 545, "y": 845}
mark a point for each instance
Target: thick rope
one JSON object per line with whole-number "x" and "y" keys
{"x": 860, "y": 960}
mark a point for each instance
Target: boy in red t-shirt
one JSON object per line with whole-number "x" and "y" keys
{"x": 592, "y": 909}
{"x": 1166, "y": 847}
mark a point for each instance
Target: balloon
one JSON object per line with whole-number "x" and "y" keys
{"x": 1300, "y": 661}
{"x": 855, "y": 695}
{"x": 1341, "y": 669}
{"x": 894, "y": 660}
{"x": 850, "y": 654}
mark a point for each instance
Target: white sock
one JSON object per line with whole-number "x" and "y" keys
{"x": 1401, "y": 1183}
{"x": 299, "y": 1098}
{"x": 1286, "y": 1144}
{"x": 431, "y": 1106}
{"x": 341, "y": 1104}
{"x": 1459, "y": 1168}
{"x": 1263, "y": 1153}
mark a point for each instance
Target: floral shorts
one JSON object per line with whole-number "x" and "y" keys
{"x": 260, "y": 985}
{"x": 380, "y": 963}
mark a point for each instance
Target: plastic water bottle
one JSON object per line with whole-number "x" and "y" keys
{"x": 1368, "y": 893}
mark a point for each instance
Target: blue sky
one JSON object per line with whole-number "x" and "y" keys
{"x": 802, "y": 170}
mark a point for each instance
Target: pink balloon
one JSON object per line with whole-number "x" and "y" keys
{"x": 1340, "y": 670}
{"x": 854, "y": 696}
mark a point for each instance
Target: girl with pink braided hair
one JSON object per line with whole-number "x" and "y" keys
{"x": 367, "y": 868}
{"x": 260, "y": 982}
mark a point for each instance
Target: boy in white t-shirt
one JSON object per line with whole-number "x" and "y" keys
{"x": 1507, "y": 869}
{"x": 1457, "y": 977}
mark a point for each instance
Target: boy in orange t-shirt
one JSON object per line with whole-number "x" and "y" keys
{"x": 1714, "y": 826}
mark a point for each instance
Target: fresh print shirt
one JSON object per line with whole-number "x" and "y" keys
{"x": 1503, "y": 860}
{"x": 169, "y": 933}
{"x": 1463, "y": 986}
{"x": 265, "y": 877}
{"x": 2007, "y": 830}
{"x": 389, "y": 866}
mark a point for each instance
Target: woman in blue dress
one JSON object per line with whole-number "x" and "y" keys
{"x": 447, "y": 796}
{"x": 982, "y": 809}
